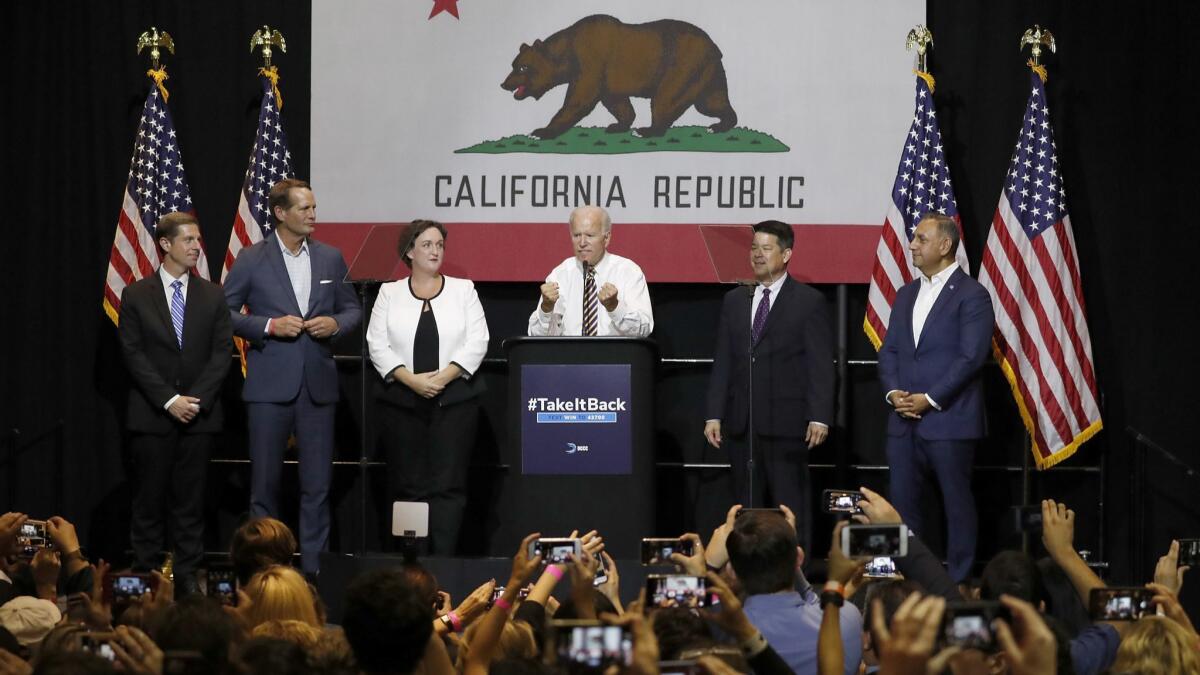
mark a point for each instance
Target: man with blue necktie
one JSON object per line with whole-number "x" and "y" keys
{"x": 177, "y": 340}
{"x": 929, "y": 367}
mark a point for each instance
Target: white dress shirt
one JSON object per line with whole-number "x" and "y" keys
{"x": 169, "y": 292}
{"x": 927, "y": 295}
{"x": 633, "y": 316}
{"x": 462, "y": 327}
{"x": 299, "y": 269}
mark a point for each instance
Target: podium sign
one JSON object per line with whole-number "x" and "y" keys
{"x": 576, "y": 419}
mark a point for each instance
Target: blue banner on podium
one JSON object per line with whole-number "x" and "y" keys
{"x": 576, "y": 419}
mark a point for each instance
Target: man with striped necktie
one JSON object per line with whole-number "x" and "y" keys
{"x": 176, "y": 337}
{"x": 594, "y": 292}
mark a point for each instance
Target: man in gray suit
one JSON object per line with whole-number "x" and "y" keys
{"x": 296, "y": 301}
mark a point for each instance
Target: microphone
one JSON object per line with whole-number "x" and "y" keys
{"x": 751, "y": 283}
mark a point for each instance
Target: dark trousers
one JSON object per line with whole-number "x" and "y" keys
{"x": 780, "y": 477}
{"x": 428, "y": 452}
{"x": 169, "y": 476}
{"x": 270, "y": 424}
{"x": 912, "y": 459}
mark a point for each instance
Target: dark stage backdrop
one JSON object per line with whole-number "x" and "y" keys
{"x": 1122, "y": 99}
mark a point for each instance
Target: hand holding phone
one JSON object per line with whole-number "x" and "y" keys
{"x": 222, "y": 585}
{"x": 1128, "y": 603}
{"x": 874, "y": 541}
{"x": 556, "y": 550}
{"x": 679, "y": 590}
{"x": 658, "y": 551}
{"x": 842, "y": 501}
{"x": 591, "y": 645}
{"x": 970, "y": 624}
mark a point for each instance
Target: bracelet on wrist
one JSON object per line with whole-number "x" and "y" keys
{"x": 832, "y": 586}
{"x": 555, "y": 571}
{"x": 503, "y": 604}
{"x": 831, "y": 598}
{"x": 455, "y": 622}
{"x": 754, "y": 644}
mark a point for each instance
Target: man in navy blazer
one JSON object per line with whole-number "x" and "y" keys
{"x": 929, "y": 365}
{"x": 782, "y": 326}
{"x": 296, "y": 301}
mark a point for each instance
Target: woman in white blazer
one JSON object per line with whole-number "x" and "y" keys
{"x": 427, "y": 337}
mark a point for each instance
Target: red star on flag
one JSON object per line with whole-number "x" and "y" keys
{"x": 448, "y": 6}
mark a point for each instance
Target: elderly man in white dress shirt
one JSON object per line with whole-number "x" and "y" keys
{"x": 594, "y": 292}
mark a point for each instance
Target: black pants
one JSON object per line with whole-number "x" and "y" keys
{"x": 780, "y": 477}
{"x": 428, "y": 452}
{"x": 169, "y": 476}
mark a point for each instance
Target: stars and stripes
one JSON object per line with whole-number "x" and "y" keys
{"x": 157, "y": 185}
{"x": 922, "y": 185}
{"x": 270, "y": 162}
{"x": 1031, "y": 270}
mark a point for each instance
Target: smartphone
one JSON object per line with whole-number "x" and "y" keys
{"x": 1027, "y": 518}
{"x": 1119, "y": 603}
{"x": 99, "y": 644}
{"x": 744, "y": 511}
{"x": 658, "y": 551}
{"x": 32, "y": 537}
{"x": 678, "y": 590}
{"x": 601, "y": 577}
{"x": 1189, "y": 552}
{"x": 128, "y": 587}
{"x": 842, "y": 501}
{"x": 222, "y": 585}
{"x": 556, "y": 550}
{"x": 881, "y": 567}
{"x": 970, "y": 624}
{"x": 498, "y": 591}
{"x": 875, "y": 541}
{"x": 591, "y": 646}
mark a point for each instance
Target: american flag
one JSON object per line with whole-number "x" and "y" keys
{"x": 270, "y": 162}
{"x": 1031, "y": 270}
{"x": 922, "y": 185}
{"x": 156, "y": 186}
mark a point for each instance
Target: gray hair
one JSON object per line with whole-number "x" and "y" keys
{"x": 946, "y": 227}
{"x": 605, "y": 220}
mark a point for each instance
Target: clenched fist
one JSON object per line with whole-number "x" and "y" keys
{"x": 549, "y": 296}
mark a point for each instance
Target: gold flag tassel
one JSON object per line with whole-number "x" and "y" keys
{"x": 159, "y": 75}
{"x": 272, "y": 74}
{"x": 927, "y": 77}
{"x": 1039, "y": 69}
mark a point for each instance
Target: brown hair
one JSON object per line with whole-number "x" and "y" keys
{"x": 258, "y": 544}
{"x": 168, "y": 226}
{"x": 1157, "y": 645}
{"x": 281, "y": 195}
{"x": 409, "y": 239}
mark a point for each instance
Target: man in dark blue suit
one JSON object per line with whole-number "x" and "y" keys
{"x": 781, "y": 326}
{"x": 929, "y": 365}
{"x": 296, "y": 300}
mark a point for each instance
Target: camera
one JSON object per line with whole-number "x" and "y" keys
{"x": 99, "y": 644}
{"x": 32, "y": 537}
{"x": 658, "y": 551}
{"x": 222, "y": 585}
{"x": 875, "y": 541}
{"x": 591, "y": 646}
{"x": 969, "y": 624}
{"x": 1027, "y": 518}
{"x": 1119, "y": 604}
{"x": 556, "y": 550}
{"x": 678, "y": 590}
{"x": 498, "y": 592}
{"x": 842, "y": 501}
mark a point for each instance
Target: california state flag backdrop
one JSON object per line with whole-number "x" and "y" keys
{"x": 498, "y": 118}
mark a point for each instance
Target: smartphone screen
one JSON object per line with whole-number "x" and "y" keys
{"x": 969, "y": 624}
{"x": 1189, "y": 552}
{"x": 222, "y": 585}
{"x": 555, "y": 551}
{"x": 659, "y": 551}
{"x": 98, "y": 644}
{"x": 881, "y": 567}
{"x": 128, "y": 587}
{"x": 1119, "y": 604}
{"x": 678, "y": 590}
{"x": 875, "y": 541}
{"x": 842, "y": 501}
{"x": 31, "y": 537}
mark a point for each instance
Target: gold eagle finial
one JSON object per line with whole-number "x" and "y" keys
{"x": 1036, "y": 37}
{"x": 154, "y": 40}
{"x": 266, "y": 38}
{"x": 919, "y": 37}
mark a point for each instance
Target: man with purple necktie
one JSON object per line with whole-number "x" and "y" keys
{"x": 781, "y": 326}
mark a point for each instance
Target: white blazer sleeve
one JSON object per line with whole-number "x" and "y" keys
{"x": 474, "y": 344}
{"x": 384, "y": 356}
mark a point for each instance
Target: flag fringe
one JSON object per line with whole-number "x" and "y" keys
{"x": 158, "y": 76}
{"x": 871, "y": 334}
{"x": 112, "y": 312}
{"x": 1062, "y": 453}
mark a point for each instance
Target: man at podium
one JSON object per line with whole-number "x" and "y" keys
{"x": 594, "y": 292}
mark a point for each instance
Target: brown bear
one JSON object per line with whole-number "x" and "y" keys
{"x": 602, "y": 60}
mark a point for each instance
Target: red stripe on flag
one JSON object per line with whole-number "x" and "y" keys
{"x": 1006, "y": 353}
{"x": 1050, "y": 272}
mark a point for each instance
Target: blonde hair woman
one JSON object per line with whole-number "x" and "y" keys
{"x": 279, "y": 593}
{"x": 1157, "y": 645}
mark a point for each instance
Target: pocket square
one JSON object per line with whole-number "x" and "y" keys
{"x": 327, "y": 281}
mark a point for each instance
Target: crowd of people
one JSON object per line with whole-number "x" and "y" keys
{"x": 759, "y": 612}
